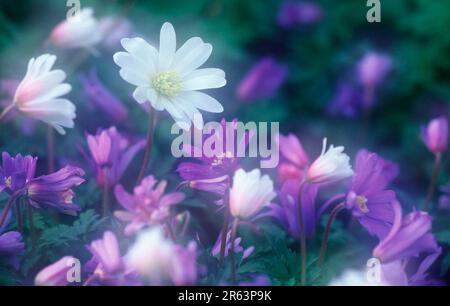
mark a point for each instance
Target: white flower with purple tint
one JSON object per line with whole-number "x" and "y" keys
{"x": 170, "y": 79}
{"x": 435, "y": 135}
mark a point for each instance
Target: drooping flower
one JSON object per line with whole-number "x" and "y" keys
{"x": 159, "y": 260}
{"x": 287, "y": 212}
{"x": 299, "y": 13}
{"x": 170, "y": 79}
{"x": 111, "y": 150}
{"x": 57, "y": 273}
{"x": 11, "y": 246}
{"x": 107, "y": 265}
{"x": 101, "y": 97}
{"x": 39, "y": 94}
{"x": 368, "y": 198}
{"x": 408, "y": 237}
{"x": 214, "y": 171}
{"x": 55, "y": 190}
{"x": 148, "y": 205}
{"x": 78, "y": 31}
{"x": 250, "y": 193}
{"x": 331, "y": 166}
{"x": 262, "y": 81}
{"x": 435, "y": 135}
{"x": 373, "y": 68}
{"x": 215, "y": 251}
{"x": 16, "y": 172}
{"x": 294, "y": 160}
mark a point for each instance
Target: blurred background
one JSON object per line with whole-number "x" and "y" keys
{"x": 317, "y": 67}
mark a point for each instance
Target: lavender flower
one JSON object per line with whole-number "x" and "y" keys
{"x": 408, "y": 237}
{"x": 16, "y": 172}
{"x": 297, "y": 13}
{"x": 373, "y": 68}
{"x": 54, "y": 190}
{"x": 294, "y": 160}
{"x": 148, "y": 205}
{"x": 55, "y": 274}
{"x": 368, "y": 199}
{"x": 346, "y": 102}
{"x": 287, "y": 212}
{"x": 100, "y": 96}
{"x": 215, "y": 251}
{"x": 111, "y": 151}
{"x": 184, "y": 265}
{"x": 11, "y": 246}
{"x": 262, "y": 81}
{"x": 435, "y": 135}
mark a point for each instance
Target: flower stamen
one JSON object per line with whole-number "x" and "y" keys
{"x": 168, "y": 83}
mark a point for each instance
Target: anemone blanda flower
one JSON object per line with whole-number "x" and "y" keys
{"x": 213, "y": 172}
{"x": 346, "y": 101}
{"x": 372, "y": 68}
{"x": 78, "y": 31}
{"x": 294, "y": 160}
{"x": 111, "y": 150}
{"x": 16, "y": 172}
{"x": 39, "y": 94}
{"x": 297, "y": 13}
{"x": 170, "y": 79}
{"x": 332, "y": 165}
{"x": 368, "y": 198}
{"x": 57, "y": 273}
{"x": 215, "y": 251}
{"x": 148, "y": 205}
{"x": 11, "y": 246}
{"x": 435, "y": 135}
{"x": 250, "y": 193}
{"x": 408, "y": 237}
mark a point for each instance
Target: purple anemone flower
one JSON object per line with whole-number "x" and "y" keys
{"x": 368, "y": 199}
{"x": 54, "y": 190}
{"x": 11, "y": 246}
{"x": 213, "y": 174}
{"x": 408, "y": 237}
{"x": 148, "y": 205}
{"x": 215, "y": 251}
{"x": 297, "y": 13}
{"x": 111, "y": 152}
{"x": 346, "y": 102}
{"x": 294, "y": 160}
{"x": 16, "y": 172}
{"x": 262, "y": 81}
{"x": 56, "y": 273}
{"x": 100, "y": 96}
{"x": 373, "y": 68}
{"x": 287, "y": 212}
{"x": 435, "y": 135}
{"x": 107, "y": 265}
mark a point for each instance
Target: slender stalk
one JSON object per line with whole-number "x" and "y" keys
{"x": 105, "y": 193}
{"x": 6, "y": 110}
{"x": 434, "y": 178}
{"x": 19, "y": 217}
{"x": 50, "y": 149}
{"x": 170, "y": 230}
{"x": 149, "y": 143}
{"x": 302, "y": 236}
{"x": 31, "y": 225}
{"x": 326, "y": 234}
{"x": 233, "y": 260}
{"x": 8, "y": 206}
{"x": 226, "y": 221}
{"x": 185, "y": 224}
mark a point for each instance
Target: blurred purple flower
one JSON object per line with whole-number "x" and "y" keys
{"x": 213, "y": 174}
{"x": 100, "y": 96}
{"x": 368, "y": 199}
{"x": 113, "y": 29}
{"x": 54, "y": 190}
{"x": 16, "y": 172}
{"x": 408, "y": 237}
{"x": 435, "y": 135}
{"x": 373, "y": 68}
{"x": 346, "y": 102}
{"x": 56, "y": 273}
{"x": 11, "y": 246}
{"x": 258, "y": 280}
{"x": 215, "y": 251}
{"x": 294, "y": 160}
{"x": 262, "y": 81}
{"x": 184, "y": 266}
{"x": 444, "y": 199}
{"x": 113, "y": 152}
{"x": 148, "y": 205}
{"x": 296, "y": 13}
{"x": 287, "y": 212}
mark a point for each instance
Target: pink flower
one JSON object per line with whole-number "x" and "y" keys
{"x": 294, "y": 160}
{"x": 56, "y": 274}
{"x": 373, "y": 68}
{"x": 435, "y": 135}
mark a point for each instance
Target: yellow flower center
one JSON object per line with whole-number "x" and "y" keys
{"x": 8, "y": 182}
{"x": 219, "y": 158}
{"x": 168, "y": 83}
{"x": 361, "y": 201}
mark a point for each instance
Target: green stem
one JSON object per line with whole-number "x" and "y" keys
{"x": 434, "y": 178}
{"x": 302, "y": 235}
{"x": 232, "y": 256}
{"x": 226, "y": 221}
{"x": 148, "y": 144}
{"x": 105, "y": 194}
{"x": 50, "y": 149}
{"x": 8, "y": 206}
{"x": 326, "y": 234}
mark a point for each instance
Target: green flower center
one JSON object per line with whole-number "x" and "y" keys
{"x": 168, "y": 83}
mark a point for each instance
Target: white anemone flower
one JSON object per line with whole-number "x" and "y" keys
{"x": 39, "y": 94}
{"x": 250, "y": 193}
{"x": 79, "y": 31}
{"x": 170, "y": 79}
{"x": 331, "y": 166}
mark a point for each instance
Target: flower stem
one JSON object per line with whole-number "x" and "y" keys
{"x": 105, "y": 194}
{"x": 226, "y": 221}
{"x": 434, "y": 178}
{"x": 233, "y": 260}
{"x": 19, "y": 217}
{"x": 302, "y": 236}
{"x": 8, "y": 206}
{"x": 31, "y": 225}
{"x": 6, "y": 110}
{"x": 50, "y": 149}
{"x": 326, "y": 234}
{"x": 149, "y": 143}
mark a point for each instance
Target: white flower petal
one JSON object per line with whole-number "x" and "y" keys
{"x": 133, "y": 77}
{"x": 197, "y": 61}
{"x": 202, "y": 101}
{"x": 128, "y": 61}
{"x": 140, "y": 94}
{"x": 167, "y": 46}
{"x": 204, "y": 82}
